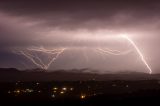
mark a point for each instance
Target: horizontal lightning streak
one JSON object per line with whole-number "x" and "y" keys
{"x": 109, "y": 51}
{"x": 52, "y": 51}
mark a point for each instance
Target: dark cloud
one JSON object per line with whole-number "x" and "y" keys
{"x": 76, "y": 13}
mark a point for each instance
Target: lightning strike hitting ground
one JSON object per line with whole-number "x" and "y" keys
{"x": 117, "y": 52}
{"x": 138, "y": 51}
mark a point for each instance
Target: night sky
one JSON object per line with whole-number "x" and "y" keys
{"x": 81, "y": 26}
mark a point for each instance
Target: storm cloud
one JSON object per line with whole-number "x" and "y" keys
{"x": 81, "y": 24}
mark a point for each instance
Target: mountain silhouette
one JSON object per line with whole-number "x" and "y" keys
{"x": 13, "y": 74}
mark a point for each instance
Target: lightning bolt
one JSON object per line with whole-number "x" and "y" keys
{"x": 33, "y": 57}
{"x": 117, "y": 52}
{"x": 138, "y": 51}
{"x": 113, "y": 52}
{"x": 42, "y": 49}
{"x": 53, "y": 59}
{"x": 30, "y": 57}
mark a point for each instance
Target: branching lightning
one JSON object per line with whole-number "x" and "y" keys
{"x": 30, "y": 57}
{"x": 28, "y": 53}
{"x": 42, "y": 49}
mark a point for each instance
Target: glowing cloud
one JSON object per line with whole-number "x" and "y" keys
{"x": 31, "y": 54}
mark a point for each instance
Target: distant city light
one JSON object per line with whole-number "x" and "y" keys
{"x": 61, "y": 92}
{"x": 64, "y": 88}
{"x": 37, "y": 83}
{"x": 71, "y": 89}
{"x": 17, "y": 91}
{"x": 29, "y": 90}
{"x": 55, "y": 88}
{"x": 53, "y": 96}
{"x": 83, "y": 96}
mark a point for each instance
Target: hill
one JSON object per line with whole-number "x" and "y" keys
{"x": 12, "y": 75}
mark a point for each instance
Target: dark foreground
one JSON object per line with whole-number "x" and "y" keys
{"x": 87, "y": 93}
